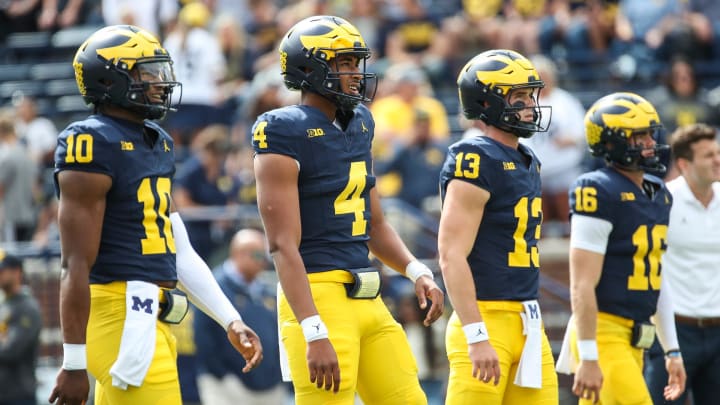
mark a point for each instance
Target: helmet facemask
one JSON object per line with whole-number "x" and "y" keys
{"x": 150, "y": 87}
{"x": 326, "y": 79}
{"x": 618, "y": 148}
{"x": 309, "y": 55}
{"x": 510, "y": 119}
{"x": 611, "y": 124}
{"x": 487, "y": 85}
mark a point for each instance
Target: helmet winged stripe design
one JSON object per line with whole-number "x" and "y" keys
{"x": 307, "y": 50}
{"x": 611, "y": 122}
{"x": 487, "y": 80}
{"x": 117, "y": 64}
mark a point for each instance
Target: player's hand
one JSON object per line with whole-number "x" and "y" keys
{"x": 71, "y": 388}
{"x": 323, "y": 365}
{"x": 425, "y": 288}
{"x": 485, "y": 362}
{"x": 588, "y": 380}
{"x": 676, "y": 378}
{"x": 247, "y": 342}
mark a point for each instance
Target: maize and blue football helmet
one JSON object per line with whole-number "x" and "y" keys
{"x": 485, "y": 84}
{"x": 610, "y": 124}
{"x": 306, "y": 53}
{"x": 118, "y": 64}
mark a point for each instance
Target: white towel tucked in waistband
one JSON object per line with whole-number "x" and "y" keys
{"x": 529, "y": 372}
{"x": 284, "y": 362}
{"x": 137, "y": 345}
{"x": 566, "y": 362}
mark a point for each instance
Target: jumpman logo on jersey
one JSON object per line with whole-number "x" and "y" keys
{"x": 165, "y": 146}
{"x": 364, "y": 128}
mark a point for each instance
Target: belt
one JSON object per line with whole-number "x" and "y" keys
{"x": 698, "y": 322}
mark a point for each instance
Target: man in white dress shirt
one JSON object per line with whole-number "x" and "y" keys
{"x": 692, "y": 264}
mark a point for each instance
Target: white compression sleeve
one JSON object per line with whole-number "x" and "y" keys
{"x": 664, "y": 318}
{"x": 196, "y": 279}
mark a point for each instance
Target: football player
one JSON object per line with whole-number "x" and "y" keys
{"x": 124, "y": 249}
{"x": 619, "y": 220}
{"x": 489, "y": 229}
{"x": 322, "y": 216}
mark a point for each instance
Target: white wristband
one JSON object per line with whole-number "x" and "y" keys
{"x": 314, "y": 328}
{"x": 74, "y": 357}
{"x": 475, "y": 332}
{"x": 587, "y": 349}
{"x": 415, "y": 270}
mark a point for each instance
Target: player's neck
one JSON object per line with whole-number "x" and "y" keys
{"x": 117, "y": 112}
{"x": 636, "y": 176}
{"x": 505, "y": 138}
{"x": 325, "y": 106}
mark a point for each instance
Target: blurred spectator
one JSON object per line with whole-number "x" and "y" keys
{"x": 18, "y": 16}
{"x": 18, "y": 174}
{"x": 704, "y": 18}
{"x": 200, "y": 67}
{"x": 690, "y": 266}
{"x": 266, "y": 92}
{"x": 366, "y": 17}
{"x": 680, "y": 99}
{"x": 412, "y": 33}
{"x": 201, "y": 181}
{"x": 153, "y": 16}
{"x": 416, "y": 165}
{"x": 578, "y": 26}
{"x": 406, "y": 89}
{"x": 484, "y": 23}
{"x": 426, "y": 344}
{"x": 239, "y": 165}
{"x": 39, "y": 134}
{"x": 235, "y": 9}
{"x": 20, "y": 325}
{"x": 265, "y": 29}
{"x": 187, "y": 358}
{"x": 560, "y": 150}
{"x": 221, "y": 380}
{"x": 58, "y": 14}
{"x": 521, "y": 25}
{"x": 646, "y": 30}
{"x": 233, "y": 42}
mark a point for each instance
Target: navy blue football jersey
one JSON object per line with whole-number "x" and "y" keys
{"x": 630, "y": 281}
{"x": 334, "y": 181}
{"x": 137, "y": 241}
{"x": 504, "y": 259}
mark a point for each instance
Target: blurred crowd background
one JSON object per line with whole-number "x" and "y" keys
{"x": 225, "y": 55}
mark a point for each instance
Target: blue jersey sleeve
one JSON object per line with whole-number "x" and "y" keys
{"x": 472, "y": 164}
{"x": 273, "y": 133}
{"x": 84, "y": 149}
{"x": 589, "y": 196}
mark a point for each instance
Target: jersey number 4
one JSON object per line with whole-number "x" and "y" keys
{"x": 349, "y": 200}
